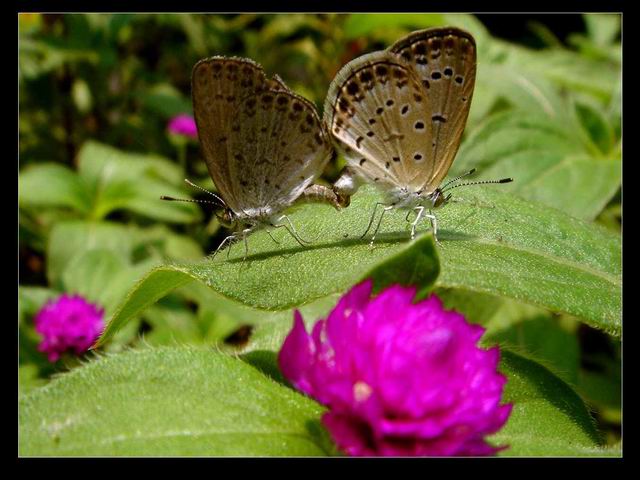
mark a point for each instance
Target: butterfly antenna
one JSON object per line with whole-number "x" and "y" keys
{"x": 481, "y": 182}
{"x": 188, "y": 200}
{"x": 220, "y": 200}
{"x": 470, "y": 172}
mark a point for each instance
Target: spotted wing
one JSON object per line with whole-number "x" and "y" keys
{"x": 445, "y": 61}
{"x": 278, "y": 147}
{"x": 218, "y": 86}
{"x": 378, "y": 113}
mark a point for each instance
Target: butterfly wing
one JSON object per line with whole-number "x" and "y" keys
{"x": 377, "y": 112}
{"x": 278, "y": 148}
{"x": 445, "y": 61}
{"x": 218, "y": 86}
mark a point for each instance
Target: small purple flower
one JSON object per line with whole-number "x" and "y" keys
{"x": 398, "y": 378}
{"x": 183, "y": 124}
{"x": 68, "y": 323}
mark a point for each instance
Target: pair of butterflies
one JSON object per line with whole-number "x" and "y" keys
{"x": 397, "y": 115}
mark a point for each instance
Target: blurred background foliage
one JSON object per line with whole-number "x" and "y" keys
{"x": 96, "y": 92}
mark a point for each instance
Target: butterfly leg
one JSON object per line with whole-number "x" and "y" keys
{"x": 373, "y": 216}
{"x": 414, "y": 224}
{"x": 434, "y": 225}
{"x": 375, "y": 232}
{"x": 229, "y": 240}
{"x": 406, "y": 219}
{"x": 269, "y": 233}
{"x": 245, "y": 234}
{"x": 291, "y": 229}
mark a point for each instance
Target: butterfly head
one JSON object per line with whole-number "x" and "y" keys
{"x": 438, "y": 198}
{"x": 227, "y": 218}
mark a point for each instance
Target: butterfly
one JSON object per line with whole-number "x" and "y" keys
{"x": 263, "y": 145}
{"x": 398, "y": 116}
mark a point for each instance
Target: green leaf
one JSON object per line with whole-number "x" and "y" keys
{"x": 595, "y": 123}
{"x": 161, "y": 239}
{"x": 360, "y": 25}
{"x": 492, "y": 312}
{"x": 614, "y": 109}
{"x": 491, "y": 243}
{"x": 331, "y": 265}
{"x": 566, "y": 69}
{"x": 502, "y": 245}
{"x": 104, "y": 277}
{"x": 122, "y": 180}
{"x": 527, "y": 91}
{"x": 121, "y": 283}
{"x": 545, "y": 339}
{"x": 603, "y": 389}
{"x": 39, "y": 57}
{"x": 548, "y": 164}
{"x": 168, "y": 401}
{"x": 150, "y": 289}
{"x": 52, "y": 185}
{"x": 91, "y": 272}
{"x": 31, "y": 299}
{"x": 548, "y": 417}
{"x": 70, "y": 239}
{"x": 28, "y": 378}
{"x": 602, "y": 28}
{"x": 171, "y": 324}
{"x": 164, "y": 99}
{"x": 271, "y": 328}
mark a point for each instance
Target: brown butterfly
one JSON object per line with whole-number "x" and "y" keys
{"x": 264, "y": 145}
{"x": 399, "y": 114}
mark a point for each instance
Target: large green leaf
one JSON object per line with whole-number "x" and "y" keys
{"x": 70, "y": 239}
{"x": 168, "y": 401}
{"x": 186, "y": 401}
{"x": 548, "y": 417}
{"x": 490, "y": 242}
{"x": 503, "y": 245}
{"x": 548, "y": 163}
{"x": 546, "y": 340}
{"x": 133, "y": 181}
{"x": 566, "y": 69}
{"x": 276, "y": 277}
{"x": 91, "y": 272}
{"x": 103, "y": 276}
{"x": 52, "y": 185}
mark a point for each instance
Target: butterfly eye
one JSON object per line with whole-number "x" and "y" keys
{"x": 226, "y": 218}
{"x": 438, "y": 198}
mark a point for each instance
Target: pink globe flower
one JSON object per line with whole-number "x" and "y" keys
{"x": 68, "y": 323}
{"x": 183, "y": 124}
{"x": 398, "y": 378}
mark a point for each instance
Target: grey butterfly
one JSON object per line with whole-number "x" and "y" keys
{"x": 399, "y": 114}
{"x": 264, "y": 145}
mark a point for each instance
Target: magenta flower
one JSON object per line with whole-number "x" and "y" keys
{"x": 68, "y": 323}
{"x": 183, "y": 124}
{"x": 398, "y": 378}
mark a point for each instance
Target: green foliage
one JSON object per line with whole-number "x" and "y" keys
{"x": 537, "y": 262}
{"x": 169, "y": 402}
{"x": 491, "y": 243}
{"x": 186, "y": 401}
{"x": 107, "y": 180}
